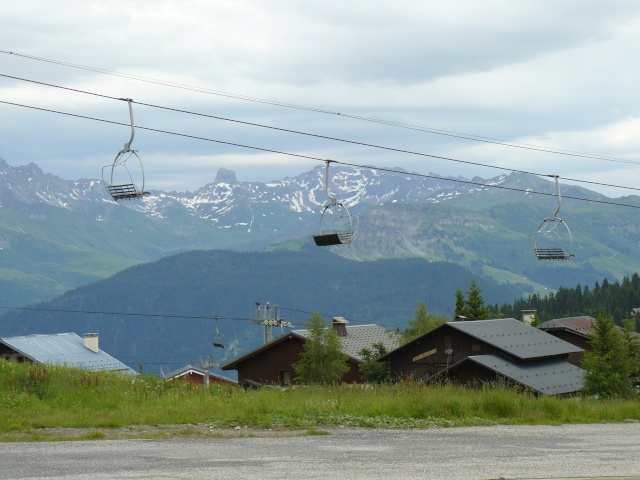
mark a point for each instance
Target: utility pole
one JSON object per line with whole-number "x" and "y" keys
{"x": 207, "y": 361}
{"x": 268, "y": 316}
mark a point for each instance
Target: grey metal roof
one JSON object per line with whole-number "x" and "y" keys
{"x": 361, "y": 336}
{"x": 516, "y": 338}
{"x": 64, "y": 349}
{"x": 551, "y": 377}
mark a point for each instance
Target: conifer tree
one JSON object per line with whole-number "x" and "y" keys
{"x": 474, "y": 305}
{"x": 460, "y": 302}
{"x": 322, "y": 361}
{"x": 609, "y": 364}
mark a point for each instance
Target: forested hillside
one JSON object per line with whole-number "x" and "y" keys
{"x": 616, "y": 298}
{"x": 161, "y": 299}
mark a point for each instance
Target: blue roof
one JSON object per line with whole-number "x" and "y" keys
{"x": 551, "y": 377}
{"x": 64, "y": 349}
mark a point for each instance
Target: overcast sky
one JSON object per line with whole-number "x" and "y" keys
{"x": 559, "y": 75}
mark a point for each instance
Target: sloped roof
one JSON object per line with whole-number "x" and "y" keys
{"x": 64, "y": 349}
{"x": 187, "y": 369}
{"x": 362, "y": 336}
{"x": 581, "y": 325}
{"x": 551, "y": 376}
{"x": 516, "y": 338}
{"x": 357, "y": 338}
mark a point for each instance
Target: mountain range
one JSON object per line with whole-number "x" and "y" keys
{"x": 58, "y": 234}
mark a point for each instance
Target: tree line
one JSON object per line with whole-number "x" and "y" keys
{"x": 615, "y": 299}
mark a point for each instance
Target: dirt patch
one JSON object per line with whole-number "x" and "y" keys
{"x": 147, "y": 432}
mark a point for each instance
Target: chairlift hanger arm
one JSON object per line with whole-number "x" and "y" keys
{"x": 326, "y": 183}
{"x": 127, "y": 146}
{"x": 554, "y": 213}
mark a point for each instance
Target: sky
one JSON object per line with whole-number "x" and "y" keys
{"x": 552, "y": 76}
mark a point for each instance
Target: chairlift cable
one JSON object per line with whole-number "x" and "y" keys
{"x": 326, "y": 137}
{"x": 475, "y": 138}
{"x": 309, "y": 157}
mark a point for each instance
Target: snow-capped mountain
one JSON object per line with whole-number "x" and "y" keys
{"x": 56, "y": 234}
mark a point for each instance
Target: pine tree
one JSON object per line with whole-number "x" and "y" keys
{"x": 460, "y": 303}
{"x": 609, "y": 364}
{"x": 322, "y": 361}
{"x": 474, "y": 305}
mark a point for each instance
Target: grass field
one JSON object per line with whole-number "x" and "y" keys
{"x": 33, "y": 398}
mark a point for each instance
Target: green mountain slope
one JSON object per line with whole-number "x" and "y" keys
{"x": 225, "y": 283}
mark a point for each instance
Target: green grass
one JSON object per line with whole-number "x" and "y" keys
{"x": 36, "y": 398}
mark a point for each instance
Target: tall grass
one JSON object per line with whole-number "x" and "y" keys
{"x": 38, "y": 397}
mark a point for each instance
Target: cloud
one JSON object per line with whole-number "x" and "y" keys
{"x": 560, "y": 75}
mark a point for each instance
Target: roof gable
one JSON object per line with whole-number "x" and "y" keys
{"x": 357, "y": 338}
{"x": 191, "y": 369}
{"x": 581, "y": 325}
{"x": 64, "y": 349}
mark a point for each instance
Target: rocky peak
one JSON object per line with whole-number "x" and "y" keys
{"x": 225, "y": 175}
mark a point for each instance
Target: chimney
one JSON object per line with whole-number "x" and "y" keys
{"x": 91, "y": 341}
{"x": 340, "y": 326}
{"x": 529, "y": 316}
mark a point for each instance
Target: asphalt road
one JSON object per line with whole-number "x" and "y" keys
{"x": 511, "y": 452}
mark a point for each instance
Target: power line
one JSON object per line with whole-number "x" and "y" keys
{"x": 463, "y": 136}
{"x": 309, "y": 157}
{"x": 124, "y": 314}
{"x": 324, "y": 137}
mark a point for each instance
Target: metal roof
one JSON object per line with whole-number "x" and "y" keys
{"x": 516, "y": 338}
{"x": 362, "y": 336}
{"x": 357, "y": 338}
{"x": 582, "y": 325}
{"x": 551, "y": 377}
{"x": 64, "y": 349}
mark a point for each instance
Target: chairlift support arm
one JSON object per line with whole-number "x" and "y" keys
{"x": 326, "y": 183}
{"x": 127, "y": 146}
{"x": 553, "y": 214}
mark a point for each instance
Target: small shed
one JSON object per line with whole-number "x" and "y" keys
{"x": 66, "y": 349}
{"x": 197, "y": 375}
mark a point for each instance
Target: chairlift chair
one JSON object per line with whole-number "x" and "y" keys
{"x": 552, "y": 240}
{"x": 218, "y": 337}
{"x": 337, "y": 225}
{"x": 118, "y": 178}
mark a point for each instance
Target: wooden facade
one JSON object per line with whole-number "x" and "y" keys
{"x": 196, "y": 376}
{"x": 454, "y": 342}
{"x": 434, "y": 352}
{"x": 575, "y": 330}
{"x": 272, "y": 364}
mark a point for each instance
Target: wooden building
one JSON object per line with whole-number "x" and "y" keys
{"x": 272, "y": 363}
{"x": 575, "y": 330}
{"x": 197, "y": 375}
{"x": 483, "y": 350}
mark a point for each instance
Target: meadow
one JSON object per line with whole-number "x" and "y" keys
{"x": 36, "y": 398}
